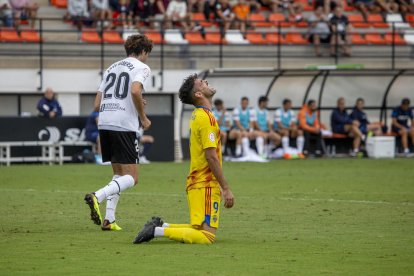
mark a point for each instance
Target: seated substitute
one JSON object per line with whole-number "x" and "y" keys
{"x": 224, "y": 120}
{"x": 403, "y": 123}
{"x": 48, "y": 106}
{"x": 365, "y": 126}
{"x": 286, "y": 124}
{"x": 262, "y": 128}
{"x": 312, "y": 130}
{"x": 92, "y": 134}
{"x": 206, "y": 184}
{"x": 342, "y": 123}
{"x": 242, "y": 122}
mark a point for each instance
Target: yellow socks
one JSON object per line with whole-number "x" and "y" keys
{"x": 189, "y": 235}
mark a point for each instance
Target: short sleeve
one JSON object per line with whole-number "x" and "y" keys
{"x": 278, "y": 116}
{"x": 142, "y": 75}
{"x": 236, "y": 115}
{"x": 412, "y": 114}
{"x": 253, "y": 115}
{"x": 101, "y": 87}
{"x": 294, "y": 119}
{"x": 208, "y": 133}
{"x": 394, "y": 113}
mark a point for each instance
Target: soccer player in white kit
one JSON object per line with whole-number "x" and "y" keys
{"x": 121, "y": 110}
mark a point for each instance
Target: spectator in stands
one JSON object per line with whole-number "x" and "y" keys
{"x": 125, "y": 15}
{"x": 286, "y": 124}
{"x": 146, "y": 141}
{"x": 177, "y": 14}
{"x": 365, "y": 126}
{"x": 6, "y": 13}
{"x": 224, "y": 13}
{"x": 241, "y": 10}
{"x": 319, "y": 30}
{"x": 328, "y": 5}
{"x": 342, "y": 123}
{"x": 92, "y": 134}
{"x": 23, "y": 8}
{"x": 102, "y": 12}
{"x": 405, "y": 6}
{"x": 403, "y": 123}
{"x": 243, "y": 122}
{"x": 296, "y": 13}
{"x": 312, "y": 129}
{"x": 48, "y": 106}
{"x": 78, "y": 11}
{"x": 262, "y": 128}
{"x": 147, "y": 11}
{"x": 224, "y": 121}
{"x": 373, "y": 6}
{"x": 340, "y": 27}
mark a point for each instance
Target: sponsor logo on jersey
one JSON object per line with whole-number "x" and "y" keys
{"x": 111, "y": 107}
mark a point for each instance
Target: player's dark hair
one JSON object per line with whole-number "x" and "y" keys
{"x": 218, "y": 102}
{"x": 311, "y": 102}
{"x": 186, "y": 90}
{"x": 286, "y": 101}
{"x": 360, "y": 100}
{"x": 136, "y": 44}
{"x": 244, "y": 99}
{"x": 405, "y": 101}
{"x": 263, "y": 99}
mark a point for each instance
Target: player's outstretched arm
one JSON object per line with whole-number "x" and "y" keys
{"x": 136, "y": 93}
{"x": 215, "y": 167}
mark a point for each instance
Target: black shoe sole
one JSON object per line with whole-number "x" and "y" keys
{"x": 94, "y": 215}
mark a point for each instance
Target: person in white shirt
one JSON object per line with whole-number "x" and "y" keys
{"x": 177, "y": 14}
{"x": 102, "y": 12}
{"x": 121, "y": 112}
{"x": 6, "y": 13}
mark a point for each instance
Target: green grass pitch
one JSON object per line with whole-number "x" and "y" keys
{"x": 312, "y": 217}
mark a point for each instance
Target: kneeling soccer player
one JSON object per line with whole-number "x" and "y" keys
{"x": 205, "y": 183}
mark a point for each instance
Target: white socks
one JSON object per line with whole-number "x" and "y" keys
{"x": 111, "y": 202}
{"x": 285, "y": 143}
{"x": 238, "y": 150}
{"x": 246, "y": 146}
{"x": 300, "y": 142}
{"x": 159, "y": 232}
{"x": 115, "y": 187}
{"x": 260, "y": 145}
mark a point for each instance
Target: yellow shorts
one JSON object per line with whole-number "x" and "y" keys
{"x": 204, "y": 205}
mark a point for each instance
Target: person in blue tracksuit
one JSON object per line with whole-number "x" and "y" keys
{"x": 342, "y": 123}
{"x": 403, "y": 123}
{"x": 365, "y": 126}
{"x": 48, "y": 106}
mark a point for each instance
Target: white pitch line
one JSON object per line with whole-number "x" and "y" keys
{"x": 242, "y": 197}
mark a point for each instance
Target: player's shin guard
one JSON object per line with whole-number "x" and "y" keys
{"x": 260, "y": 145}
{"x": 115, "y": 187}
{"x": 300, "y": 142}
{"x": 246, "y": 146}
{"x": 189, "y": 235}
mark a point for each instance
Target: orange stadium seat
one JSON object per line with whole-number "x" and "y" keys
{"x": 279, "y": 18}
{"x": 358, "y": 21}
{"x": 375, "y": 39}
{"x": 9, "y": 35}
{"x": 357, "y": 39}
{"x": 90, "y": 36}
{"x": 275, "y": 38}
{"x": 259, "y": 20}
{"x": 256, "y": 38}
{"x": 214, "y": 38}
{"x": 155, "y": 37}
{"x": 348, "y": 6}
{"x": 30, "y": 36}
{"x": 200, "y": 18}
{"x": 398, "y": 40}
{"x": 410, "y": 19}
{"x": 61, "y": 4}
{"x": 296, "y": 38}
{"x": 194, "y": 38}
{"x": 112, "y": 37}
{"x": 377, "y": 21}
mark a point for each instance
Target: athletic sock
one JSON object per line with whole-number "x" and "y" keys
{"x": 300, "y": 142}
{"x": 260, "y": 145}
{"x": 285, "y": 143}
{"x": 115, "y": 187}
{"x": 407, "y": 150}
{"x": 111, "y": 202}
{"x": 188, "y": 235}
{"x": 246, "y": 146}
{"x": 238, "y": 150}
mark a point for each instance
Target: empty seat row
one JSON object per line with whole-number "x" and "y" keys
{"x": 11, "y": 35}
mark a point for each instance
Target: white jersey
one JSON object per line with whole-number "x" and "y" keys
{"x": 117, "y": 110}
